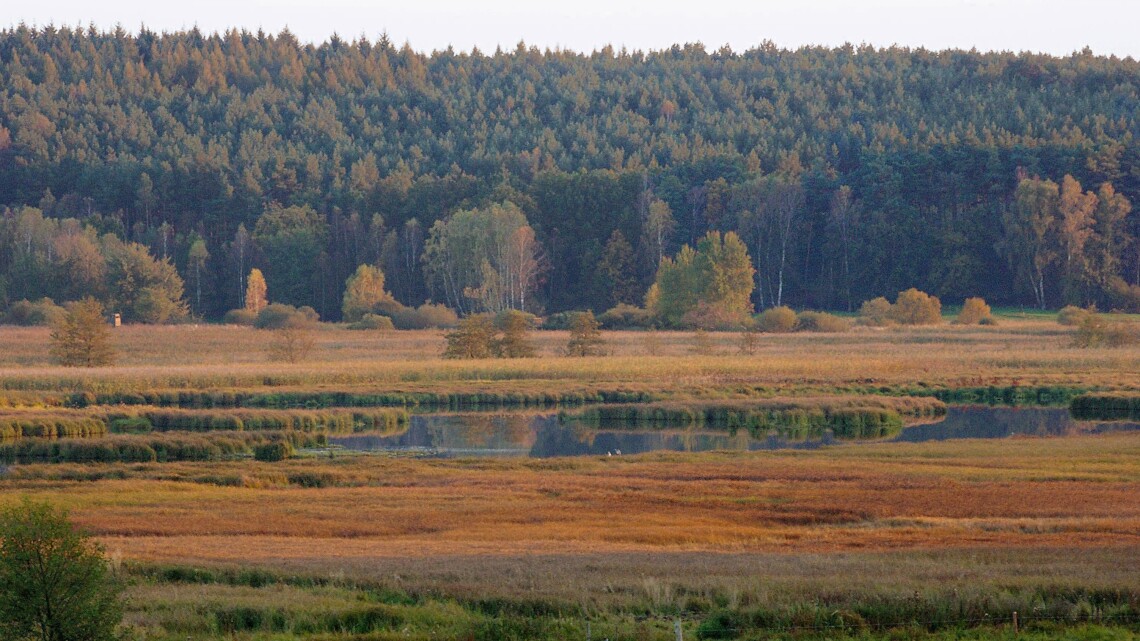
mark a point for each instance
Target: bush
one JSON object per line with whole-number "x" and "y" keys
{"x": 974, "y": 311}
{"x": 914, "y": 307}
{"x": 472, "y": 339}
{"x": 713, "y": 317}
{"x": 273, "y": 451}
{"x": 875, "y": 312}
{"x": 373, "y": 322}
{"x": 822, "y": 322}
{"x": 425, "y": 316}
{"x": 1071, "y": 315}
{"x": 42, "y": 312}
{"x": 515, "y": 326}
{"x": 585, "y": 339}
{"x": 56, "y": 583}
{"x": 625, "y": 316}
{"x": 278, "y": 316}
{"x": 241, "y": 316}
{"x": 1095, "y": 331}
{"x": 776, "y": 320}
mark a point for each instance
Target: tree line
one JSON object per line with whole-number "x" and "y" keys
{"x": 555, "y": 180}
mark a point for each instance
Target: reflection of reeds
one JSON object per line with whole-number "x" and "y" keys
{"x": 857, "y": 417}
{"x": 1112, "y": 406}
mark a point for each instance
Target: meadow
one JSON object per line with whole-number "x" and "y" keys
{"x": 868, "y": 540}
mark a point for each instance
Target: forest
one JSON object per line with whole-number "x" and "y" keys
{"x": 154, "y": 171}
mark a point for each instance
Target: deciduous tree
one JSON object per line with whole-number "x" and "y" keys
{"x": 81, "y": 337}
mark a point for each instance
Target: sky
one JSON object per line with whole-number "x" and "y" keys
{"x": 1057, "y": 27}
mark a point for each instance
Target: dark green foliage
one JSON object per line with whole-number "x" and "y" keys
{"x": 789, "y": 419}
{"x": 358, "y": 150}
{"x": 1106, "y": 406}
{"x": 54, "y": 582}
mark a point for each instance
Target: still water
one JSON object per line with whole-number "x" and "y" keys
{"x": 543, "y": 436}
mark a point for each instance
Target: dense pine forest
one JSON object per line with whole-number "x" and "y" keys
{"x": 154, "y": 171}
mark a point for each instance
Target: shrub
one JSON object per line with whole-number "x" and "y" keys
{"x": 776, "y": 320}
{"x": 625, "y": 316}
{"x": 515, "y": 327}
{"x": 273, "y": 451}
{"x": 56, "y": 582}
{"x": 585, "y": 338}
{"x": 974, "y": 311}
{"x": 875, "y": 312}
{"x": 373, "y": 322}
{"x": 472, "y": 339}
{"x": 1095, "y": 331}
{"x": 241, "y": 316}
{"x": 425, "y": 316}
{"x": 1071, "y": 315}
{"x": 713, "y": 317}
{"x": 914, "y": 307}
{"x": 821, "y": 322}
{"x": 42, "y": 312}
{"x": 278, "y": 316}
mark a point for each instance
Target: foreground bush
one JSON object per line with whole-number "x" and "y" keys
{"x": 54, "y": 582}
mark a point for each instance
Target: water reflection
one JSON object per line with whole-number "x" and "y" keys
{"x": 543, "y": 436}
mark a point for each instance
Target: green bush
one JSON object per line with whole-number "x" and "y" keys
{"x": 776, "y": 320}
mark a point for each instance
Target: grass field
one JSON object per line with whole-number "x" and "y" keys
{"x": 878, "y": 540}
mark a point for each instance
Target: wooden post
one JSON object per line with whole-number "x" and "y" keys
{"x": 1015, "y": 621}
{"x": 677, "y": 629}
{"x": 587, "y": 631}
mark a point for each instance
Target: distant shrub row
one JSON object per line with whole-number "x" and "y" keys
{"x": 37, "y": 425}
{"x": 158, "y": 448}
{"x": 257, "y": 420}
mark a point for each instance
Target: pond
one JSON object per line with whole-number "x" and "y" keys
{"x": 543, "y": 435}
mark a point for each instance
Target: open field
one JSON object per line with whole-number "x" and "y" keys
{"x": 1030, "y": 352}
{"x": 875, "y": 540}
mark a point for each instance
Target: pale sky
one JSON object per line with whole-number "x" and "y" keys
{"x": 1058, "y": 27}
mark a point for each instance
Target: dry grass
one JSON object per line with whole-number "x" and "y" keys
{"x": 1018, "y": 352}
{"x": 376, "y": 512}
